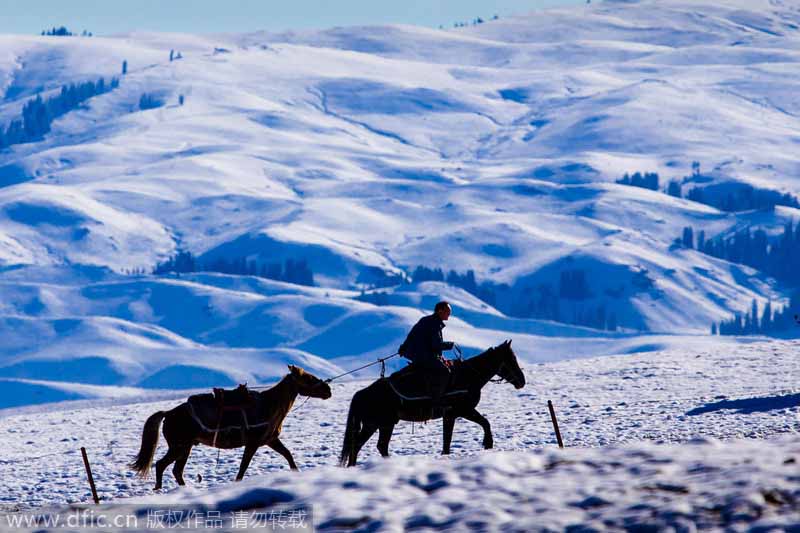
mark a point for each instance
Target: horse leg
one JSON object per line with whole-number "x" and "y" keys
{"x": 247, "y": 456}
{"x": 278, "y": 446}
{"x": 361, "y": 440}
{"x": 384, "y": 437}
{"x": 163, "y": 463}
{"x": 474, "y": 416}
{"x": 448, "y": 422}
{"x": 180, "y": 463}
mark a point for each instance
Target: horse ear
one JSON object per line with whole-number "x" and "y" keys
{"x": 292, "y": 369}
{"x": 509, "y": 343}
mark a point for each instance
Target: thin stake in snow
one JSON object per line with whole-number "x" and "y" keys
{"x": 89, "y": 475}
{"x": 555, "y": 423}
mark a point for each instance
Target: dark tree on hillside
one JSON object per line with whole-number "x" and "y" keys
{"x": 57, "y": 32}
{"x": 148, "y": 101}
{"x": 293, "y": 271}
{"x": 688, "y": 237}
{"x": 778, "y": 257}
{"x": 648, "y": 180}
{"x": 426, "y": 274}
{"x": 182, "y": 262}
{"x": 674, "y": 188}
{"x": 38, "y": 114}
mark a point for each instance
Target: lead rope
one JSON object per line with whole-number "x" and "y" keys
{"x": 381, "y": 360}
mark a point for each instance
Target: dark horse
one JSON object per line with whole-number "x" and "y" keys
{"x": 379, "y": 407}
{"x": 182, "y": 430}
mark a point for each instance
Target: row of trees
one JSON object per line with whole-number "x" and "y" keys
{"x": 38, "y": 114}
{"x": 291, "y": 271}
{"x": 486, "y": 291}
{"x": 568, "y": 303}
{"x": 62, "y": 31}
{"x": 767, "y": 323}
{"x": 737, "y": 197}
{"x": 648, "y": 180}
{"x": 778, "y": 257}
{"x": 149, "y": 101}
{"x": 571, "y": 302}
{"x": 744, "y": 198}
{"x": 475, "y": 22}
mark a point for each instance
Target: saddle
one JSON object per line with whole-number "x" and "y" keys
{"x": 225, "y": 409}
{"x": 233, "y": 399}
{"x": 411, "y": 384}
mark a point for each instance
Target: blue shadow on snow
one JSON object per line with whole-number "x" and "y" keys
{"x": 750, "y": 405}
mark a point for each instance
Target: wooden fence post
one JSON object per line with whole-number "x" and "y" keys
{"x": 555, "y": 423}
{"x": 89, "y": 475}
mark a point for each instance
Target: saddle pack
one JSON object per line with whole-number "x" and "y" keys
{"x": 225, "y": 410}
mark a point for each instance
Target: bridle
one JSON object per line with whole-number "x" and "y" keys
{"x": 498, "y": 379}
{"x": 501, "y": 379}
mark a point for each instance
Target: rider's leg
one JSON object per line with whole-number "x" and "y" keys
{"x": 440, "y": 378}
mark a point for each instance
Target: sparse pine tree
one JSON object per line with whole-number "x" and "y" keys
{"x": 766, "y": 318}
{"x": 688, "y": 237}
{"x": 674, "y": 188}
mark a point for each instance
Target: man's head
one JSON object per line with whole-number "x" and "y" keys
{"x": 442, "y": 310}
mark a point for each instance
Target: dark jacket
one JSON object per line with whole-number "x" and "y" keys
{"x": 424, "y": 342}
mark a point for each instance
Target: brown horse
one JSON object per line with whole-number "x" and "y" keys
{"x": 380, "y": 406}
{"x": 182, "y": 430}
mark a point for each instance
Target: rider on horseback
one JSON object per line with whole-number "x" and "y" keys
{"x": 423, "y": 347}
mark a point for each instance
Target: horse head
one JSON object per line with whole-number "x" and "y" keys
{"x": 509, "y": 368}
{"x": 309, "y": 384}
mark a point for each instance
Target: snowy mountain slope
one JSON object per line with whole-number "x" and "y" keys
{"x": 367, "y": 152}
{"x": 606, "y": 407}
{"x": 210, "y": 330}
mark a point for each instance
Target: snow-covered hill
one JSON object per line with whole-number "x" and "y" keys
{"x": 367, "y": 152}
{"x": 694, "y": 438}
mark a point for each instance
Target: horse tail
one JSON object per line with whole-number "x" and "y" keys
{"x": 141, "y": 465}
{"x": 351, "y": 431}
